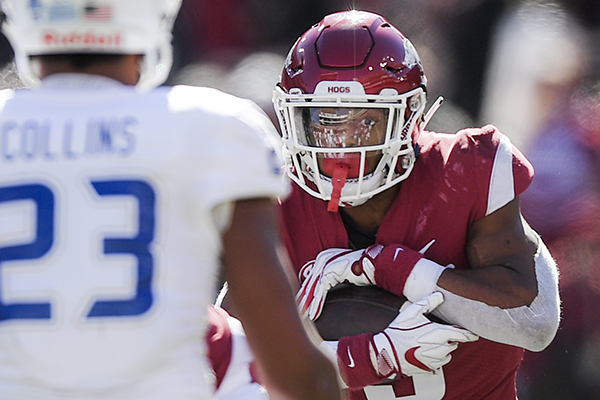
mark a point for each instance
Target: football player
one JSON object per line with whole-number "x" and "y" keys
{"x": 118, "y": 205}
{"x": 379, "y": 200}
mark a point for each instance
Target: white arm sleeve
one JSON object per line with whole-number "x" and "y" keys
{"x": 531, "y": 327}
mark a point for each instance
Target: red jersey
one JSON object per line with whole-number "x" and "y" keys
{"x": 220, "y": 342}
{"x": 231, "y": 359}
{"x": 457, "y": 180}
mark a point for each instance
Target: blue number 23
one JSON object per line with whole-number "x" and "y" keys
{"x": 44, "y": 201}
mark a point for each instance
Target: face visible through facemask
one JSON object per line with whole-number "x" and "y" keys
{"x": 346, "y": 128}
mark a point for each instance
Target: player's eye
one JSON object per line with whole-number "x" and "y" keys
{"x": 369, "y": 122}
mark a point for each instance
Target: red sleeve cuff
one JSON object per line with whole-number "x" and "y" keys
{"x": 394, "y": 265}
{"x": 354, "y": 361}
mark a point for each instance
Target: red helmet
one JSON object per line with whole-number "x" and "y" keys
{"x": 349, "y": 104}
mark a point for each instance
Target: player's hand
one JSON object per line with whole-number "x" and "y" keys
{"x": 330, "y": 268}
{"x": 410, "y": 345}
{"x": 385, "y": 266}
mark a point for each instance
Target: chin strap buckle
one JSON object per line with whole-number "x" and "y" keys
{"x": 338, "y": 180}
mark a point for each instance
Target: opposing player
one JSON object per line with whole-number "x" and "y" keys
{"x": 116, "y": 208}
{"x": 378, "y": 200}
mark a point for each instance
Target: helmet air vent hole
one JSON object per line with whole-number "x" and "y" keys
{"x": 393, "y": 70}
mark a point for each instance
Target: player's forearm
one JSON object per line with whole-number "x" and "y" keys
{"x": 264, "y": 302}
{"x": 500, "y": 286}
{"x": 293, "y": 365}
{"x": 531, "y": 326}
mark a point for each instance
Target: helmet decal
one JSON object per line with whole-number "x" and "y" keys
{"x": 99, "y": 12}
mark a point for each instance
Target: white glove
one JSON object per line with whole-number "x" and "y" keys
{"x": 330, "y": 268}
{"x": 385, "y": 266}
{"x": 412, "y": 344}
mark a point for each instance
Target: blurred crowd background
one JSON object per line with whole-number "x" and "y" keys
{"x": 532, "y": 68}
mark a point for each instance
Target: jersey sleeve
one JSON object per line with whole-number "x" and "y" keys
{"x": 234, "y": 146}
{"x": 499, "y": 170}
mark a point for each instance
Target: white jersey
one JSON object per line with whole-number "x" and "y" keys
{"x": 108, "y": 246}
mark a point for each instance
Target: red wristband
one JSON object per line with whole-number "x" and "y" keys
{"x": 354, "y": 361}
{"x": 392, "y": 267}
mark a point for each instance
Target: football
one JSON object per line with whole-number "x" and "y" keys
{"x": 350, "y": 310}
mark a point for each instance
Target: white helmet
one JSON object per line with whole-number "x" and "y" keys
{"x": 38, "y": 27}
